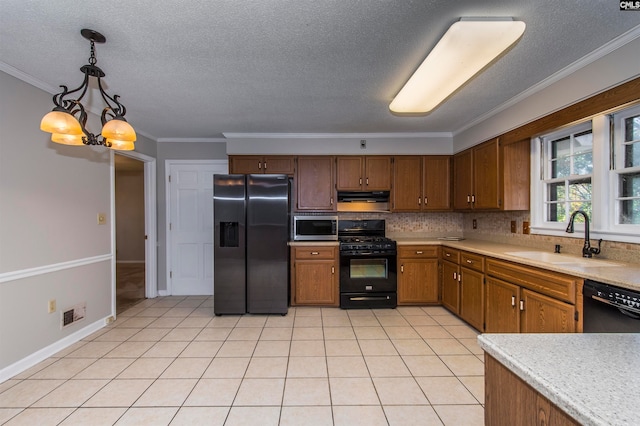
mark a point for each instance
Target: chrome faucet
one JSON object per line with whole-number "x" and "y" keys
{"x": 587, "y": 250}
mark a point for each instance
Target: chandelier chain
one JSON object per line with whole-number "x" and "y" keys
{"x": 92, "y": 58}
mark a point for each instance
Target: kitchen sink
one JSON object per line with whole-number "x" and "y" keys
{"x": 562, "y": 259}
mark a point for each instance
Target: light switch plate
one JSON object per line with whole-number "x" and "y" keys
{"x": 102, "y": 218}
{"x": 525, "y": 228}
{"x": 513, "y": 227}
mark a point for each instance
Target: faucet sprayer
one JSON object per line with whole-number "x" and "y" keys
{"x": 587, "y": 250}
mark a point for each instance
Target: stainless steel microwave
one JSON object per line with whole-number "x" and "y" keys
{"x": 315, "y": 228}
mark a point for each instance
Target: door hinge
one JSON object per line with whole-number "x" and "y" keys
{"x": 170, "y": 274}
{"x": 170, "y": 226}
{"x": 576, "y": 316}
{"x": 169, "y": 178}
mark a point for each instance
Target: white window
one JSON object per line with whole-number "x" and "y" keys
{"x": 594, "y": 167}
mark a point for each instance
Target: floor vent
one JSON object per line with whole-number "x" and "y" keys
{"x": 74, "y": 314}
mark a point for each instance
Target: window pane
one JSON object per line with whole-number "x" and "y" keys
{"x": 556, "y": 192}
{"x": 632, "y": 155}
{"x": 630, "y": 185}
{"x": 630, "y": 212}
{"x": 585, "y": 206}
{"x": 583, "y": 142}
{"x": 632, "y": 128}
{"x": 583, "y": 164}
{"x": 580, "y": 190}
{"x": 560, "y": 148}
{"x": 556, "y": 212}
{"x": 561, "y": 167}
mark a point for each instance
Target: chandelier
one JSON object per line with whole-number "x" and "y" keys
{"x": 67, "y": 122}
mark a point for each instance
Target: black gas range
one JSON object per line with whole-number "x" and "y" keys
{"x": 368, "y": 277}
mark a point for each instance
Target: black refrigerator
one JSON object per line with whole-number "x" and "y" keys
{"x": 250, "y": 256}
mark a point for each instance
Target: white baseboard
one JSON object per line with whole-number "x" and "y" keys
{"x": 44, "y": 353}
{"x": 163, "y": 293}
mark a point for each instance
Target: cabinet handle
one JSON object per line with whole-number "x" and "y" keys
{"x": 418, "y": 251}
{"x": 360, "y": 181}
{"x": 333, "y": 269}
{"x": 468, "y": 198}
{"x": 259, "y": 165}
{"x": 265, "y": 165}
{"x": 331, "y": 201}
{"x": 513, "y": 301}
{"x": 522, "y": 305}
{"x": 460, "y": 277}
{"x": 402, "y": 268}
{"x": 419, "y": 201}
{"x": 315, "y": 253}
{"x": 469, "y": 261}
{"x": 473, "y": 198}
{"x": 425, "y": 201}
{"x": 367, "y": 181}
{"x": 455, "y": 276}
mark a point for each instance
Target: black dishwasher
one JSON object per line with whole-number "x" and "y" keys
{"x": 610, "y": 309}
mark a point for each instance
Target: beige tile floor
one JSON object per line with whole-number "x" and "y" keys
{"x": 170, "y": 361}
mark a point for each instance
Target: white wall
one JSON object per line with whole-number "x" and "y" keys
{"x": 51, "y": 246}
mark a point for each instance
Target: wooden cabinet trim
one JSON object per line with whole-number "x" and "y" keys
{"x": 556, "y": 285}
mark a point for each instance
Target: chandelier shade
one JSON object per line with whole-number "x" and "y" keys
{"x": 61, "y": 123}
{"x": 67, "y": 122}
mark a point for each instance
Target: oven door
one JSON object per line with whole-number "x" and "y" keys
{"x": 368, "y": 273}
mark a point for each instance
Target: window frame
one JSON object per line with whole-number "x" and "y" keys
{"x": 604, "y": 180}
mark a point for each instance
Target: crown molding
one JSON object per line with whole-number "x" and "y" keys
{"x": 415, "y": 135}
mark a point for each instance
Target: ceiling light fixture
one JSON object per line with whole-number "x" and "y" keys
{"x": 467, "y": 47}
{"x": 67, "y": 122}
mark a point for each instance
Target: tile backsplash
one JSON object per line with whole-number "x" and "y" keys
{"x": 491, "y": 226}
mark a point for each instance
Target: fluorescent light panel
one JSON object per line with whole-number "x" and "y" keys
{"x": 467, "y": 47}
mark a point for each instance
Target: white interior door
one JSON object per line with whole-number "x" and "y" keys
{"x": 191, "y": 226}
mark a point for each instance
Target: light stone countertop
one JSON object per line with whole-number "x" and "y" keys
{"x": 595, "y": 378}
{"x": 626, "y": 275}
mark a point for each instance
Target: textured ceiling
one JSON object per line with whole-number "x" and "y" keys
{"x": 198, "y": 69}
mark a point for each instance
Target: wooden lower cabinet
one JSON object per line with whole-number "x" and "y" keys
{"x": 314, "y": 276}
{"x": 472, "y": 297}
{"x": 509, "y": 401}
{"x": 502, "y": 307}
{"x": 543, "y": 314}
{"x": 417, "y": 275}
{"x": 451, "y": 286}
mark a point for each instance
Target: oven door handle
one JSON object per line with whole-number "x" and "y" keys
{"x": 362, "y": 298}
{"x": 625, "y": 310}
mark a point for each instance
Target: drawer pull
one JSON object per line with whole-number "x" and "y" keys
{"x": 448, "y": 254}
{"x": 419, "y": 252}
{"x": 469, "y": 261}
{"x": 315, "y": 253}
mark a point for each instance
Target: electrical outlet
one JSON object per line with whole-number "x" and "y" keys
{"x": 52, "y": 306}
{"x": 475, "y": 224}
{"x": 525, "y": 227}
{"x": 363, "y": 144}
{"x": 513, "y": 227}
{"x": 102, "y": 218}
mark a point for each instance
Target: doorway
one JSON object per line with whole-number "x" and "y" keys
{"x": 134, "y": 213}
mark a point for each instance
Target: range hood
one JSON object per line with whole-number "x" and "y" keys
{"x": 363, "y": 201}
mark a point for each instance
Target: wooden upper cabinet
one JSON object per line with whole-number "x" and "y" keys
{"x": 315, "y": 188}
{"x": 421, "y": 183}
{"x": 253, "y": 164}
{"x": 436, "y": 187}
{"x": 491, "y": 176}
{"x": 368, "y": 173}
{"x": 462, "y": 180}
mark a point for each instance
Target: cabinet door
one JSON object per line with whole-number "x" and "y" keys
{"x": 486, "y": 176}
{"x": 349, "y": 173}
{"x": 315, "y": 282}
{"x": 472, "y": 297}
{"x": 542, "y": 314}
{"x": 451, "y": 286}
{"x": 314, "y": 181}
{"x": 278, "y": 164}
{"x": 437, "y": 183}
{"x": 407, "y": 184}
{"x": 377, "y": 173}
{"x": 502, "y": 314}
{"x": 462, "y": 180}
{"x": 418, "y": 281}
{"x": 245, "y": 164}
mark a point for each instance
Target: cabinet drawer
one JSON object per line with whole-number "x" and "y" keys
{"x": 314, "y": 252}
{"x": 417, "y": 252}
{"x": 556, "y": 285}
{"x": 452, "y": 255}
{"x": 472, "y": 261}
